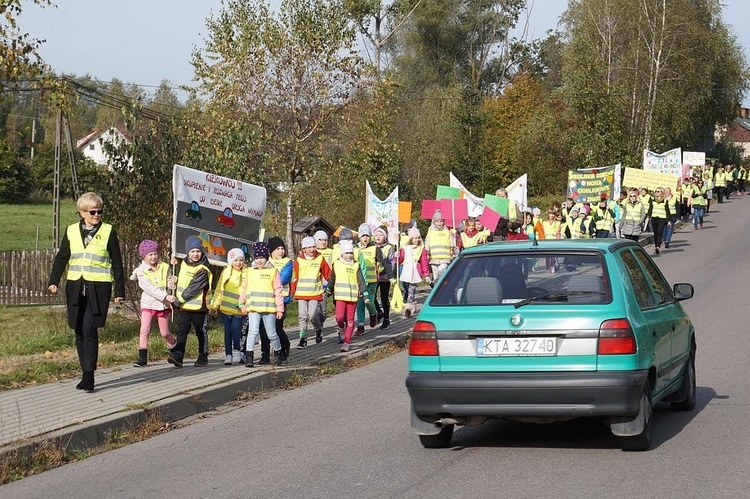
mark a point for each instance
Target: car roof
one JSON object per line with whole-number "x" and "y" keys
{"x": 597, "y": 244}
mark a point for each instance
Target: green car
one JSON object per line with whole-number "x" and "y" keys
{"x": 551, "y": 331}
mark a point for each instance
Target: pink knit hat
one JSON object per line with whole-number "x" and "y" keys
{"x": 147, "y": 246}
{"x": 413, "y": 232}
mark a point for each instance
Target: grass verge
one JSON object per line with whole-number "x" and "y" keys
{"x": 49, "y": 454}
{"x": 24, "y": 220}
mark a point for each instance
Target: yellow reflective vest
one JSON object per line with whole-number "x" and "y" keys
{"x": 309, "y": 280}
{"x": 659, "y": 209}
{"x": 470, "y": 242}
{"x": 371, "y": 270}
{"x": 187, "y": 272}
{"x": 91, "y": 262}
{"x": 279, "y": 263}
{"x": 346, "y": 287}
{"x": 440, "y": 244}
{"x": 227, "y": 294}
{"x": 260, "y": 293}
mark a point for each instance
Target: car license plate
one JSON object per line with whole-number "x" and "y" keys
{"x": 499, "y": 347}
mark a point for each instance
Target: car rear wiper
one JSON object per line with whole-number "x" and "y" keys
{"x": 553, "y": 296}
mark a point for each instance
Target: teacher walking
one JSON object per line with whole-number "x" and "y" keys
{"x": 91, "y": 252}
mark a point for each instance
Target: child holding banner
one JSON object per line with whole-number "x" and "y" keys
{"x": 193, "y": 286}
{"x": 386, "y": 276}
{"x": 370, "y": 260}
{"x": 152, "y": 278}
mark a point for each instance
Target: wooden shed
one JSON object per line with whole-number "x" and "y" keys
{"x": 308, "y": 226}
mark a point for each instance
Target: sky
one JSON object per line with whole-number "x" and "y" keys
{"x": 147, "y": 41}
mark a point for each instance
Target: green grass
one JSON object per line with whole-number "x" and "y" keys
{"x": 37, "y": 346}
{"x": 22, "y": 220}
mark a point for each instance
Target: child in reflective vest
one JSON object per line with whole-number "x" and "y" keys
{"x": 321, "y": 245}
{"x": 262, "y": 299}
{"x": 347, "y": 285}
{"x": 310, "y": 271}
{"x": 152, "y": 277}
{"x": 370, "y": 261}
{"x": 415, "y": 268}
{"x": 193, "y": 294}
{"x": 227, "y": 301}
{"x": 386, "y": 276}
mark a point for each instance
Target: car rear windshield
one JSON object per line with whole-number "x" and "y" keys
{"x": 521, "y": 279}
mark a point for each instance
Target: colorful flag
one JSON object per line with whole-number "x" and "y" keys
{"x": 518, "y": 191}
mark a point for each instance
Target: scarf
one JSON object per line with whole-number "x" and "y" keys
{"x": 88, "y": 234}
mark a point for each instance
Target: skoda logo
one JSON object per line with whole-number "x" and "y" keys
{"x": 516, "y": 320}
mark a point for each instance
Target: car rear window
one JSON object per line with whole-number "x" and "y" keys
{"x": 507, "y": 279}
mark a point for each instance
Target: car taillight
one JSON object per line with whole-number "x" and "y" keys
{"x": 616, "y": 338}
{"x": 423, "y": 339}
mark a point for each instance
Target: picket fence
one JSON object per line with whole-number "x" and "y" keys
{"x": 24, "y": 276}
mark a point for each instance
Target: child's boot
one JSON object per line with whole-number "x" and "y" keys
{"x": 302, "y": 340}
{"x": 278, "y": 357}
{"x": 175, "y": 358}
{"x": 318, "y": 335}
{"x": 142, "y": 358}
{"x": 265, "y": 359}
{"x": 249, "y": 359}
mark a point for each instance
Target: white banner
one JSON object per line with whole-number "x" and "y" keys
{"x": 476, "y": 204}
{"x": 693, "y": 158}
{"x": 669, "y": 162}
{"x": 382, "y": 212}
{"x": 224, "y": 213}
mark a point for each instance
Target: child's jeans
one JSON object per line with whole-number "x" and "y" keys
{"x": 232, "y": 332}
{"x": 253, "y": 326}
{"x": 345, "y": 317}
{"x": 162, "y": 318}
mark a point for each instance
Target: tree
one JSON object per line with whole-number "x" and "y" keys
{"x": 14, "y": 175}
{"x": 287, "y": 75}
{"x": 19, "y": 58}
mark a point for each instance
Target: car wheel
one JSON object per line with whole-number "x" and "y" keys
{"x": 438, "y": 441}
{"x": 642, "y": 441}
{"x": 688, "y": 386}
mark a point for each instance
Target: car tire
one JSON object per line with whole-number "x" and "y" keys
{"x": 642, "y": 441}
{"x": 688, "y": 386}
{"x": 438, "y": 441}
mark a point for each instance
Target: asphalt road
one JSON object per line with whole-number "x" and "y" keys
{"x": 349, "y": 436}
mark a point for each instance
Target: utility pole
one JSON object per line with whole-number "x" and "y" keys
{"x": 62, "y": 118}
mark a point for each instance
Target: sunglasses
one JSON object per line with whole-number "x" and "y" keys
{"x": 95, "y": 212}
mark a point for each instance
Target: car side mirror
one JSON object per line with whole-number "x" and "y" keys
{"x": 683, "y": 291}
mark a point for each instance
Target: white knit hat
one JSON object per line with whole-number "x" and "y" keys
{"x": 382, "y": 230}
{"x": 233, "y": 254}
{"x": 308, "y": 242}
{"x": 346, "y": 246}
{"x": 321, "y": 234}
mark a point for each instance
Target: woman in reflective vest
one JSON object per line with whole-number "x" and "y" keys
{"x": 91, "y": 252}
{"x": 660, "y": 215}
{"x": 633, "y": 215}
